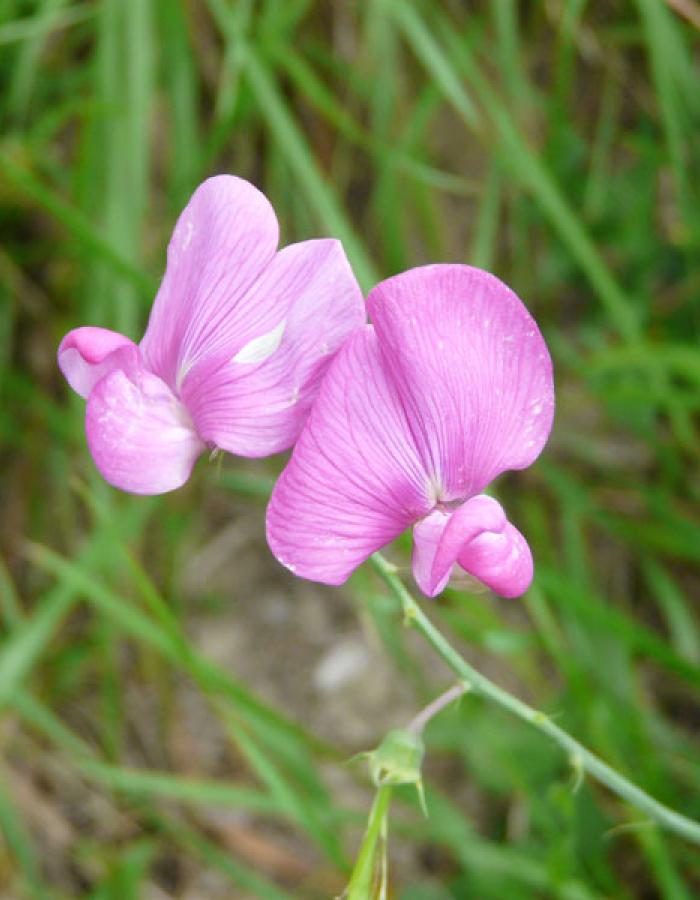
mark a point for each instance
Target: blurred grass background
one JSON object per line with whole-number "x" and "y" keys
{"x": 176, "y": 709}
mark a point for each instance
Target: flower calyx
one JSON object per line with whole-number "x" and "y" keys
{"x": 398, "y": 760}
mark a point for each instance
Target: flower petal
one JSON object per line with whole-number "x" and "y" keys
{"x": 427, "y": 534}
{"x": 139, "y": 434}
{"x": 472, "y": 370}
{"x": 354, "y": 481}
{"x": 226, "y": 235}
{"x": 481, "y": 540}
{"x": 254, "y": 402}
{"x": 502, "y": 561}
{"x": 87, "y": 354}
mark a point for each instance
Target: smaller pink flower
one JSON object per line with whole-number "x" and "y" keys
{"x": 418, "y": 413}
{"x": 239, "y": 338}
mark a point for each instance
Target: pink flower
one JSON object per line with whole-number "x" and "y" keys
{"x": 238, "y": 340}
{"x": 418, "y": 413}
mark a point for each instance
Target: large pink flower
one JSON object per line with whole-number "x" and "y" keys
{"x": 239, "y": 338}
{"x": 451, "y": 386}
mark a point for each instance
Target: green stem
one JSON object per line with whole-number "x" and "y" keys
{"x": 419, "y": 722}
{"x": 581, "y": 758}
{"x": 363, "y": 873}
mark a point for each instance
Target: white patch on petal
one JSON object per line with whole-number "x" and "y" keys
{"x": 261, "y": 348}
{"x": 183, "y": 371}
{"x": 434, "y": 490}
{"x": 188, "y": 235}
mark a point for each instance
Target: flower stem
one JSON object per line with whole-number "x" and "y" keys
{"x": 419, "y": 722}
{"x": 581, "y": 758}
{"x": 363, "y": 873}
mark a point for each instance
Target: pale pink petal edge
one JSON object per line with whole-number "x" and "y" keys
{"x": 139, "y": 434}
{"x": 87, "y": 354}
{"x": 479, "y": 538}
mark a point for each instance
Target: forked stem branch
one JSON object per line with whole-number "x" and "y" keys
{"x": 582, "y": 759}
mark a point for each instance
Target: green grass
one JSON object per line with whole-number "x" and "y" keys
{"x": 554, "y": 143}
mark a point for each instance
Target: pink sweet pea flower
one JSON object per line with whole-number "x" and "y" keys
{"x": 418, "y": 413}
{"x": 238, "y": 340}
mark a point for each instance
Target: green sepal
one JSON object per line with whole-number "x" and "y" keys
{"x": 398, "y": 760}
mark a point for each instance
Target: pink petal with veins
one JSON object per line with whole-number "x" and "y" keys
{"x": 139, "y": 434}
{"x": 354, "y": 481}
{"x": 85, "y": 355}
{"x": 472, "y": 370}
{"x": 238, "y": 340}
{"x": 223, "y": 240}
{"x": 253, "y": 397}
{"x": 451, "y": 387}
{"x": 478, "y": 537}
